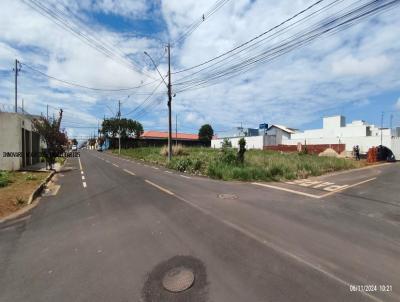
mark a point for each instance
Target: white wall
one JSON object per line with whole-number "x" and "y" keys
{"x": 365, "y": 142}
{"x": 10, "y": 140}
{"x": 395, "y": 147}
{"x": 252, "y": 142}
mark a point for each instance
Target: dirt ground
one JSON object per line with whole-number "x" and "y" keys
{"x": 16, "y": 194}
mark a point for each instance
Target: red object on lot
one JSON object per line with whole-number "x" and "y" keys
{"x": 372, "y": 155}
{"x": 312, "y": 149}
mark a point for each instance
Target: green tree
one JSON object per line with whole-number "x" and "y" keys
{"x": 55, "y": 139}
{"x": 206, "y": 133}
{"x": 242, "y": 150}
{"x": 128, "y": 127}
{"x": 74, "y": 141}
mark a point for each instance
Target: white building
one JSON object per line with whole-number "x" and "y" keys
{"x": 336, "y": 131}
{"x": 19, "y": 144}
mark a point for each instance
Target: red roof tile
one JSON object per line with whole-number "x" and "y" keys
{"x": 159, "y": 134}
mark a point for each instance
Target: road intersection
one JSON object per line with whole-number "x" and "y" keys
{"x": 114, "y": 221}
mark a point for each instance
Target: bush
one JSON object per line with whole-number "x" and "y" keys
{"x": 176, "y": 150}
{"x": 181, "y": 164}
{"x": 30, "y": 177}
{"x": 4, "y": 178}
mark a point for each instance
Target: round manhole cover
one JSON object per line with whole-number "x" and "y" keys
{"x": 227, "y": 196}
{"x": 178, "y": 279}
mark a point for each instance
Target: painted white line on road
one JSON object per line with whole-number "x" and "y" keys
{"x": 80, "y": 164}
{"x": 286, "y": 190}
{"x": 84, "y": 184}
{"x": 129, "y": 172}
{"x": 168, "y": 172}
{"x": 83, "y": 177}
{"x": 350, "y": 186}
{"x": 81, "y": 172}
{"x": 155, "y": 168}
{"x": 116, "y": 165}
{"x": 159, "y": 187}
{"x": 107, "y": 161}
{"x": 246, "y": 230}
{"x": 184, "y": 176}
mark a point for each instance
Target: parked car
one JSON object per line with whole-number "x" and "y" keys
{"x": 74, "y": 148}
{"x": 99, "y": 149}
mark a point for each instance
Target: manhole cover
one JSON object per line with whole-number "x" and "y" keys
{"x": 178, "y": 279}
{"x": 227, "y": 196}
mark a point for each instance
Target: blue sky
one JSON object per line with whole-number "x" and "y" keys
{"x": 354, "y": 73}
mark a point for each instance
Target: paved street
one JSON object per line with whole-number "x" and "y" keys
{"x": 116, "y": 226}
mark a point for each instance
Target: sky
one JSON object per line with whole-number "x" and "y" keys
{"x": 354, "y": 72}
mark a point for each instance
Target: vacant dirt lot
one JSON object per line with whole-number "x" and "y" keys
{"x": 16, "y": 193}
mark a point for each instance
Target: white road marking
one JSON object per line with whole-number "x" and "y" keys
{"x": 155, "y": 168}
{"x": 116, "y": 165}
{"x": 83, "y": 177}
{"x": 168, "y": 172}
{"x": 350, "y": 186}
{"x": 80, "y": 164}
{"x": 84, "y": 184}
{"x": 129, "y": 172}
{"x": 81, "y": 172}
{"x": 159, "y": 187}
{"x": 332, "y": 189}
{"x": 184, "y": 176}
{"x": 286, "y": 190}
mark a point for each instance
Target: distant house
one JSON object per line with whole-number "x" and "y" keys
{"x": 275, "y": 134}
{"x": 19, "y": 144}
{"x": 160, "y": 138}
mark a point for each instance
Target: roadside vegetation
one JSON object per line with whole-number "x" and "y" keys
{"x": 16, "y": 188}
{"x": 229, "y": 164}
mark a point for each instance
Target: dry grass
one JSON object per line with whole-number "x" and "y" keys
{"x": 176, "y": 150}
{"x": 16, "y": 193}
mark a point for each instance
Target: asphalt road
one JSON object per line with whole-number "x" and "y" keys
{"x": 115, "y": 227}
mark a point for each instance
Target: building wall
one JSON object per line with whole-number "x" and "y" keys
{"x": 364, "y": 142}
{"x": 252, "y": 142}
{"x": 16, "y": 132}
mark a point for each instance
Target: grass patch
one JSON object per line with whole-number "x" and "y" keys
{"x": 258, "y": 165}
{"x": 19, "y": 187}
{"x": 4, "y": 178}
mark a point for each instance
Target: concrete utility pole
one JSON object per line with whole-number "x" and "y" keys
{"x": 119, "y": 128}
{"x": 16, "y": 69}
{"x": 169, "y": 105}
{"x": 169, "y": 86}
{"x": 382, "y": 129}
{"x": 176, "y": 129}
{"x": 47, "y": 111}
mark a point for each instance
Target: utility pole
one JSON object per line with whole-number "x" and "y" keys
{"x": 169, "y": 86}
{"x": 22, "y": 105}
{"x": 16, "y": 69}
{"x": 391, "y": 124}
{"x": 382, "y": 129}
{"x": 47, "y": 110}
{"x": 169, "y": 105}
{"x": 119, "y": 128}
{"x": 176, "y": 129}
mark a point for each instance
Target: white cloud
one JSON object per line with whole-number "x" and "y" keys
{"x": 346, "y": 68}
{"x": 361, "y": 67}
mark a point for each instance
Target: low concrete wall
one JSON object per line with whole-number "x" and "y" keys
{"x": 252, "y": 142}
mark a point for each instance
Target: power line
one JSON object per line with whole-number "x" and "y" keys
{"x": 57, "y": 17}
{"x": 330, "y": 26}
{"x": 83, "y": 86}
{"x": 191, "y": 28}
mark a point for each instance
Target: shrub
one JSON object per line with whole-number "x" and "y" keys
{"x": 181, "y": 164}
{"x": 30, "y": 177}
{"x": 4, "y": 178}
{"x": 176, "y": 150}
{"x": 228, "y": 156}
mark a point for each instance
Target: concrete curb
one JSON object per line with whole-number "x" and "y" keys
{"x": 32, "y": 201}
